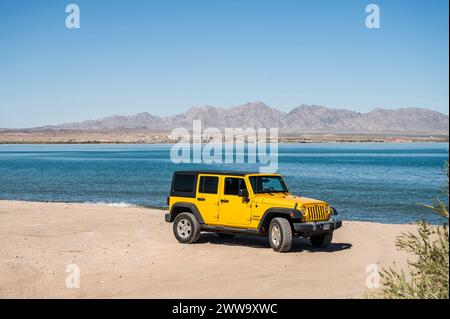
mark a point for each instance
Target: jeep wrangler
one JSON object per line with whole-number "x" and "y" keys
{"x": 230, "y": 203}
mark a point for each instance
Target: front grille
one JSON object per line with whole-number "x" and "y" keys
{"x": 317, "y": 213}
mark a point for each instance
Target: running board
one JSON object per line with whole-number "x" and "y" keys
{"x": 233, "y": 230}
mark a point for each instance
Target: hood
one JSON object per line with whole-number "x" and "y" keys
{"x": 282, "y": 200}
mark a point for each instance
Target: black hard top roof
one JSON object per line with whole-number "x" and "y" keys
{"x": 235, "y": 173}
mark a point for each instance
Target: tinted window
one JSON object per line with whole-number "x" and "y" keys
{"x": 233, "y": 185}
{"x": 184, "y": 183}
{"x": 208, "y": 184}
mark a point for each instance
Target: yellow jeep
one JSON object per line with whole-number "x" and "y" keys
{"x": 230, "y": 203}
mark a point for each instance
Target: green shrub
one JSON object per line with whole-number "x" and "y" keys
{"x": 427, "y": 274}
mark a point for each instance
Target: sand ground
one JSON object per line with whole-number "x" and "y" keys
{"x": 131, "y": 252}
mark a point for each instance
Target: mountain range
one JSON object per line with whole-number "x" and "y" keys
{"x": 302, "y": 119}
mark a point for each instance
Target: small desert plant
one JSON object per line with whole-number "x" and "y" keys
{"x": 426, "y": 276}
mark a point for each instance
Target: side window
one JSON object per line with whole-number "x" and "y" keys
{"x": 233, "y": 185}
{"x": 208, "y": 184}
{"x": 184, "y": 183}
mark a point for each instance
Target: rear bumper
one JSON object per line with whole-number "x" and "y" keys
{"x": 314, "y": 228}
{"x": 168, "y": 217}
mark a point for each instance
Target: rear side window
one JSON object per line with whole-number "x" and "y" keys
{"x": 233, "y": 185}
{"x": 184, "y": 183}
{"x": 208, "y": 184}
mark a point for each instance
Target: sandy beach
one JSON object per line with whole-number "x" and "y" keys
{"x": 131, "y": 252}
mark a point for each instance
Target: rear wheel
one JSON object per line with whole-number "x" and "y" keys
{"x": 186, "y": 228}
{"x": 280, "y": 234}
{"x": 322, "y": 241}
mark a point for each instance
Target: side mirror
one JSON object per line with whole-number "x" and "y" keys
{"x": 243, "y": 193}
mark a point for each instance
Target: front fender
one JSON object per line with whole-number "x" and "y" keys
{"x": 290, "y": 213}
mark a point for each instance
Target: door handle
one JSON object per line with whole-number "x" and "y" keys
{"x": 224, "y": 201}
{"x": 201, "y": 199}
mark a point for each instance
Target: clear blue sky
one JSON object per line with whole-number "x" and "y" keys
{"x": 166, "y": 56}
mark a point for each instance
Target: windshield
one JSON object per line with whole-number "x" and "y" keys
{"x": 268, "y": 184}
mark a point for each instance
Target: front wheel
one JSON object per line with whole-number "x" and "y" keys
{"x": 186, "y": 228}
{"x": 280, "y": 234}
{"x": 322, "y": 241}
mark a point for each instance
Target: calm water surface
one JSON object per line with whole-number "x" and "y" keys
{"x": 371, "y": 182}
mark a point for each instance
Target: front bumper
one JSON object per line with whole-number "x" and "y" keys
{"x": 314, "y": 228}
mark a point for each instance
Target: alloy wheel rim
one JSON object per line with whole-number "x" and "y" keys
{"x": 276, "y": 235}
{"x": 184, "y": 228}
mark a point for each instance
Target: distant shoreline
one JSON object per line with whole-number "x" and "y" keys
{"x": 127, "y": 137}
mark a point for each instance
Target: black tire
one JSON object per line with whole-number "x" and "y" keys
{"x": 225, "y": 235}
{"x": 280, "y": 234}
{"x": 186, "y": 228}
{"x": 322, "y": 241}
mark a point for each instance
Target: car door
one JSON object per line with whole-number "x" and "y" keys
{"x": 207, "y": 198}
{"x": 233, "y": 209}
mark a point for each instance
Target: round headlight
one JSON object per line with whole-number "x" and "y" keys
{"x": 303, "y": 210}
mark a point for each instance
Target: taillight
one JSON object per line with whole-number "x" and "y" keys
{"x": 168, "y": 200}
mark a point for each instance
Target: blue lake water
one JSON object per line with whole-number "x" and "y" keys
{"x": 371, "y": 182}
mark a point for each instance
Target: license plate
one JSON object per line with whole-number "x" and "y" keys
{"x": 326, "y": 226}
